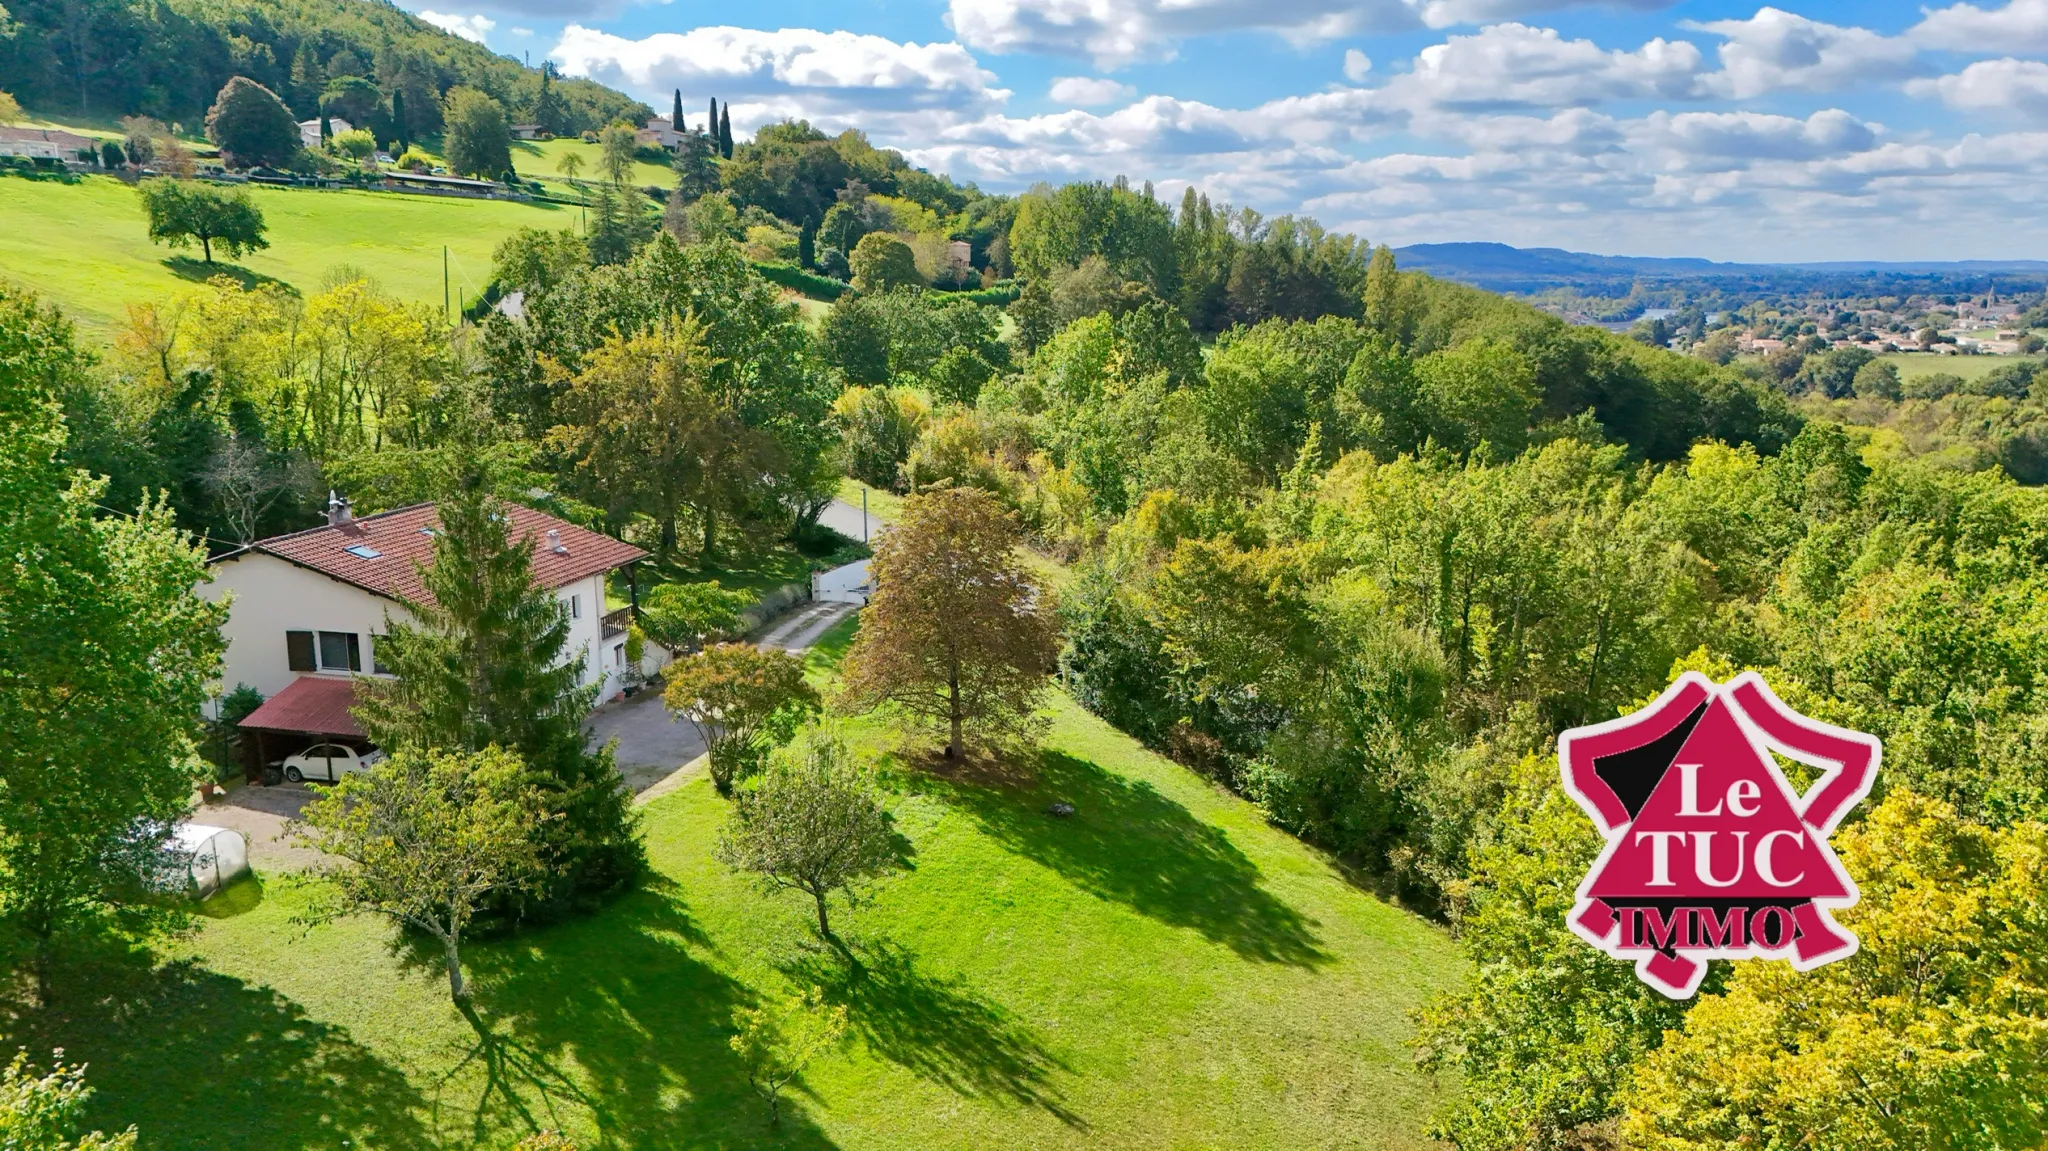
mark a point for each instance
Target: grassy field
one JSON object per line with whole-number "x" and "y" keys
{"x": 1160, "y": 970}
{"x": 1911, "y": 364}
{"x": 85, "y": 247}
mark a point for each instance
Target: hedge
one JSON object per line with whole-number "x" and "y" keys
{"x": 797, "y": 280}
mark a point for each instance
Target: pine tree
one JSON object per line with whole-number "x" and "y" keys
{"x": 485, "y": 660}
{"x": 548, "y": 110}
{"x": 725, "y": 132}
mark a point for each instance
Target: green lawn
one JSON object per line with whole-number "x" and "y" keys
{"x": 1160, "y": 970}
{"x": 1911, "y": 364}
{"x": 541, "y": 159}
{"x": 85, "y": 247}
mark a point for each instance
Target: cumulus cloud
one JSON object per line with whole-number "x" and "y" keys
{"x": 1356, "y": 65}
{"x": 1088, "y": 91}
{"x": 1514, "y": 65}
{"x": 830, "y": 77}
{"x": 2020, "y": 26}
{"x": 1444, "y": 13}
{"x": 1117, "y": 32}
{"x": 467, "y": 27}
{"x": 1776, "y": 50}
{"x": 2006, "y": 85}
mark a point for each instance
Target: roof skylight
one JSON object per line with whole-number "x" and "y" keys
{"x": 364, "y": 551}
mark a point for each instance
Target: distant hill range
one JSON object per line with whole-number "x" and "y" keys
{"x": 1501, "y": 268}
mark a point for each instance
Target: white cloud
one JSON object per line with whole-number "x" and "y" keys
{"x": 2020, "y": 26}
{"x": 1444, "y": 13}
{"x": 467, "y": 27}
{"x": 522, "y": 32}
{"x": 1514, "y": 65}
{"x": 1118, "y": 32}
{"x": 2006, "y": 85}
{"x": 1356, "y": 65}
{"x": 1776, "y": 50}
{"x": 835, "y": 78}
{"x": 1089, "y": 92}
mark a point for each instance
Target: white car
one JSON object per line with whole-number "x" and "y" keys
{"x": 327, "y": 762}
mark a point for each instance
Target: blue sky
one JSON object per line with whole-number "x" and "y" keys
{"x": 1815, "y": 131}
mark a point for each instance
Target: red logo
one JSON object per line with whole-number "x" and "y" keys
{"x": 1710, "y": 853}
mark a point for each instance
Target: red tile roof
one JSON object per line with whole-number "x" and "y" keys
{"x": 312, "y": 703}
{"x": 401, "y": 542}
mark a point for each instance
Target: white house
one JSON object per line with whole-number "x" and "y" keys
{"x": 660, "y": 133}
{"x": 309, "y": 609}
{"x": 309, "y": 130}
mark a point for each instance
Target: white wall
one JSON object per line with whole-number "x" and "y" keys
{"x": 272, "y": 597}
{"x": 846, "y": 584}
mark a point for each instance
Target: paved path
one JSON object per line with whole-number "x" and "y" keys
{"x": 798, "y": 630}
{"x": 845, "y": 518}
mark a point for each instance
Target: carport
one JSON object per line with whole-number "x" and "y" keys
{"x": 314, "y": 709}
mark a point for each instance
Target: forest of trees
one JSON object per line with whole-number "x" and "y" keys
{"x": 1351, "y": 541}
{"x": 109, "y": 58}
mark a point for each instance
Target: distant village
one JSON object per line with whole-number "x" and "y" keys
{"x": 1990, "y": 324}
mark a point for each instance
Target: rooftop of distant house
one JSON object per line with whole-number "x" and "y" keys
{"x": 383, "y": 553}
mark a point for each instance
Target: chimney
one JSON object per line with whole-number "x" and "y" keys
{"x": 555, "y": 542}
{"x": 339, "y": 510}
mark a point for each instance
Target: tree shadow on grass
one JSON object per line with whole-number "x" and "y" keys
{"x": 521, "y": 1087}
{"x": 1127, "y": 843}
{"x": 196, "y": 1059}
{"x": 647, "y": 1023}
{"x": 937, "y": 1028}
{"x": 199, "y": 272}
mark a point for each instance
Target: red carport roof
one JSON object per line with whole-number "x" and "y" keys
{"x": 312, "y": 704}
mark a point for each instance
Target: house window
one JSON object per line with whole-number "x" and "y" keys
{"x": 341, "y": 651}
{"x": 575, "y": 607}
{"x": 377, "y": 663}
{"x": 298, "y": 648}
{"x": 618, "y": 655}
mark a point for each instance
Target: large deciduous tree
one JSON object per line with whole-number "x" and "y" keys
{"x": 475, "y": 138}
{"x": 427, "y": 839}
{"x": 957, "y": 633}
{"x": 182, "y": 211}
{"x": 485, "y": 659}
{"x": 811, "y": 825}
{"x": 106, "y": 655}
{"x": 1931, "y": 1035}
{"x": 251, "y": 125}
{"x": 744, "y": 703}
{"x": 881, "y": 262}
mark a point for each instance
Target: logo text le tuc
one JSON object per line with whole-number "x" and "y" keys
{"x": 1710, "y": 853}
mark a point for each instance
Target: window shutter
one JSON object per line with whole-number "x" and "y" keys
{"x": 298, "y": 648}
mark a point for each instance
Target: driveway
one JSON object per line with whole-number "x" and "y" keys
{"x": 846, "y": 519}
{"x": 652, "y": 746}
{"x": 260, "y": 814}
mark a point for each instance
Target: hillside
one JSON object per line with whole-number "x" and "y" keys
{"x": 1501, "y": 268}
{"x": 85, "y": 246}
{"x": 1164, "y": 969}
{"x": 169, "y": 59}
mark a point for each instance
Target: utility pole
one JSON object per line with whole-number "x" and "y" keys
{"x": 444, "y": 284}
{"x": 863, "y": 513}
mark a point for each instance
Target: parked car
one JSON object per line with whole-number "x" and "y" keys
{"x": 327, "y": 762}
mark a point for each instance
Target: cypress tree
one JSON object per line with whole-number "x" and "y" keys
{"x": 326, "y": 129}
{"x": 398, "y": 119}
{"x": 807, "y": 248}
{"x": 711, "y": 126}
{"x": 725, "y": 132}
{"x": 675, "y": 118}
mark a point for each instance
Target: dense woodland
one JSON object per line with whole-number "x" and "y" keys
{"x": 110, "y": 58}
{"x": 1351, "y": 541}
